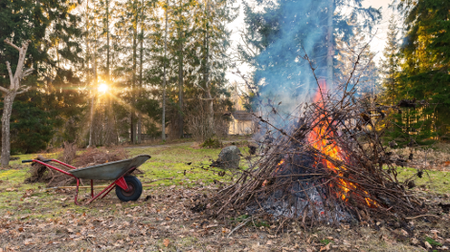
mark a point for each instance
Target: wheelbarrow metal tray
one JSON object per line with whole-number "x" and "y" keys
{"x": 111, "y": 170}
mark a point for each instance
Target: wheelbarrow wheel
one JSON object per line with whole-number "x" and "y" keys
{"x": 134, "y": 189}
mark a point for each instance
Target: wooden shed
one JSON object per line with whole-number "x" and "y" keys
{"x": 242, "y": 123}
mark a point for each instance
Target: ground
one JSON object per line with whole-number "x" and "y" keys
{"x": 36, "y": 218}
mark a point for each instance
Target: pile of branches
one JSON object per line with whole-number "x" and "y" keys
{"x": 95, "y": 156}
{"x": 90, "y": 157}
{"x": 346, "y": 162}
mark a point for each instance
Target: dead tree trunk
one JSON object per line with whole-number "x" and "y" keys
{"x": 14, "y": 89}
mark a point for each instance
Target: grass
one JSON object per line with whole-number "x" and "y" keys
{"x": 187, "y": 166}
{"x": 435, "y": 181}
{"x": 181, "y": 165}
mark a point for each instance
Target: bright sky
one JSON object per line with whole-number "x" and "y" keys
{"x": 379, "y": 41}
{"x": 377, "y": 45}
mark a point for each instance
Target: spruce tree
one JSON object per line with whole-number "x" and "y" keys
{"x": 425, "y": 58}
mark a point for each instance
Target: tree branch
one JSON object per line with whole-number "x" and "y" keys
{"x": 27, "y": 72}
{"x": 11, "y": 76}
{"x": 24, "y": 90}
{"x": 7, "y": 41}
{"x": 4, "y": 90}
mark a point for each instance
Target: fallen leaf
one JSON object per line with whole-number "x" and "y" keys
{"x": 166, "y": 242}
{"x": 435, "y": 232}
{"x": 427, "y": 245}
{"x": 269, "y": 242}
{"x": 325, "y": 248}
{"x": 27, "y": 242}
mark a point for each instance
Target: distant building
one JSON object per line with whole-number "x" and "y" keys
{"x": 242, "y": 123}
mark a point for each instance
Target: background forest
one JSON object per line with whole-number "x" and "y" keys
{"x": 113, "y": 71}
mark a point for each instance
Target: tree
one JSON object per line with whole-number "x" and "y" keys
{"x": 212, "y": 40}
{"x": 53, "y": 29}
{"x": 32, "y": 126}
{"x": 391, "y": 72}
{"x": 14, "y": 89}
{"x": 163, "y": 124}
{"x": 390, "y": 65}
{"x": 425, "y": 56}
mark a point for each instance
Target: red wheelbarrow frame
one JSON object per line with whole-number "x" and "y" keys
{"x": 120, "y": 182}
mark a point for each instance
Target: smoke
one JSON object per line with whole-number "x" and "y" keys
{"x": 288, "y": 30}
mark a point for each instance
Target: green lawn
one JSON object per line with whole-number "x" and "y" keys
{"x": 433, "y": 181}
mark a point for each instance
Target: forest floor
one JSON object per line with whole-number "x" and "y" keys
{"x": 36, "y": 218}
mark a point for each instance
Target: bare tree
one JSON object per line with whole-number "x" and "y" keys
{"x": 9, "y": 94}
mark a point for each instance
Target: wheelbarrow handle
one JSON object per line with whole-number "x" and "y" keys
{"x": 31, "y": 160}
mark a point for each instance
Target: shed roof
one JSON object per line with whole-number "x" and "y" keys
{"x": 242, "y": 115}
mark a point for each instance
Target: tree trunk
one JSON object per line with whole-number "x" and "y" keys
{"x": 163, "y": 124}
{"x": 133, "y": 88}
{"x": 91, "y": 128}
{"x": 330, "y": 40}
{"x": 6, "y": 117}
{"x": 141, "y": 63}
{"x": 110, "y": 123}
{"x": 180, "y": 88}
{"x": 209, "y": 100}
{"x": 9, "y": 95}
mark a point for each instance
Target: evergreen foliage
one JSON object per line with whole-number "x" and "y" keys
{"x": 53, "y": 52}
{"x": 425, "y": 76}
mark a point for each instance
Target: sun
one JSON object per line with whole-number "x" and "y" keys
{"x": 103, "y": 88}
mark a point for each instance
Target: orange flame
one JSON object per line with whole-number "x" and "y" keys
{"x": 265, "y": 182}
{"x": 322, "y": 139}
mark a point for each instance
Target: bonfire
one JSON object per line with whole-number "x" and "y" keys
{"x": 329, "y": 166}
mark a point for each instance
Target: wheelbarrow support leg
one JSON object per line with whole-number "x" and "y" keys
{"x": 122, "y": 183}
{"x": 110, "y": 189}
{"x": 92, "y": 188}
{"x": 76, "y": 193}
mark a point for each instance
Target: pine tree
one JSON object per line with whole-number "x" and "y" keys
{"x": 426, "y": 60}
{"x": 391, "y": 64}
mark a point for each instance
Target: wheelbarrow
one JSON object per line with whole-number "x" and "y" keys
{"x": 128, "y": 188}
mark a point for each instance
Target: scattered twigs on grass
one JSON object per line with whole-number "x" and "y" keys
{"x": 239, "y": 226}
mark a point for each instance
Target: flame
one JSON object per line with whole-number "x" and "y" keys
{"x": 322, "y": 138}
{"x": 265, "y": 182}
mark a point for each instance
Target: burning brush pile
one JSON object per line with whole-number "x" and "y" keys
{"x": 329, "y": 167}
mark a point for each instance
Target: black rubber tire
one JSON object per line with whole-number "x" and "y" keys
{"x": 135, "y": 191}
